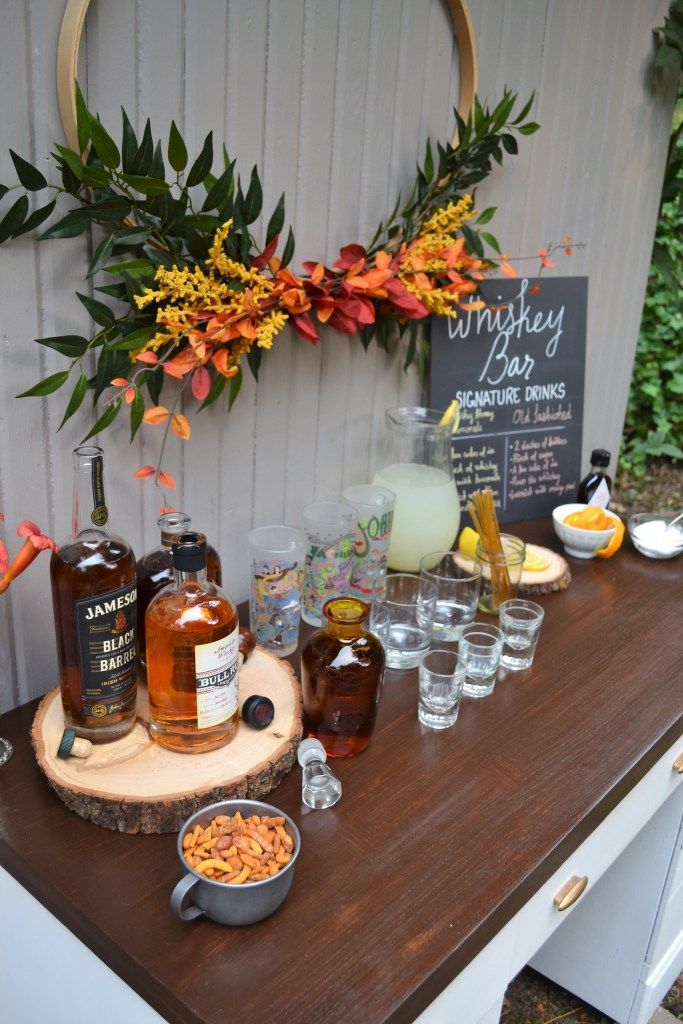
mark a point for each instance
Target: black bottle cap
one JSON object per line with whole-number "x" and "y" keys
{"x": 257, "y": 711}
{"x": 189, "y": 552}
{"x": 600, "y": 457}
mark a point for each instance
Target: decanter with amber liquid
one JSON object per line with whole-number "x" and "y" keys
{"x": 192, "y": 656}
{"x": 342, "y": 669}
{"x": 155, "y": 569}
{"x": 94, "y": 600}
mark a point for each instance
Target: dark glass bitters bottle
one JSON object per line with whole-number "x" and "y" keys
{"x": 155, "y": 569}
{"x": 342, "y": 667}
{"x": 596, "y": 486}
{"x": 94, "y": 600}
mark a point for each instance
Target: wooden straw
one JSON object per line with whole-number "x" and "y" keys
{"x": 483, "y": 514}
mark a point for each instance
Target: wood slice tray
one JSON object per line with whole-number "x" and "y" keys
{"x": 556, "y": 577}
{"x": 135, "y": 785}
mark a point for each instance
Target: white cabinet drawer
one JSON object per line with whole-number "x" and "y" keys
{"x": 539, "y": 918}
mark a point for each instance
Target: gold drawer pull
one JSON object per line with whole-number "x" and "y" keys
{"x": 678, "y": 764}
{"x": 570, "y": 892}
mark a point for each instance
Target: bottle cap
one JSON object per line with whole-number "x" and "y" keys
{"x": 189, "y": 552}
{"x": 600, "y": 457}
{"x": 258, "y": 711}
{"x": 311, "y": 750}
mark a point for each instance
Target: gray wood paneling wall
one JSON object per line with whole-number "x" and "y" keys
{"x": 333, "y": 99}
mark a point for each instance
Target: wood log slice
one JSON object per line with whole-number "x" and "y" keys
{"x": 533, "y": 584}
{"x": 134, "y": 785}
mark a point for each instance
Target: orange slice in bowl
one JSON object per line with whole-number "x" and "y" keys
{"x": 615, "y": 541}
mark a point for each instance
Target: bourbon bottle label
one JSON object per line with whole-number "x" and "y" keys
{"x": 106, "y": 645}
{"x": 216, "y": 673}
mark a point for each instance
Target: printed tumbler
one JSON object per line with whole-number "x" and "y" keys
{"x": 374, "y": 515}
{"x": 331, "y": 529}
{"x": 276, "y": 571}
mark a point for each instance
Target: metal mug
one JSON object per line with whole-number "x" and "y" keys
{"x": 195, "y": 896}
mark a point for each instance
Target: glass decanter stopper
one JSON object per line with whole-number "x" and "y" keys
{"x": 320, "y": 788}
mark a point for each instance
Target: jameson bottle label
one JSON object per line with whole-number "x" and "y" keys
{"x": 106, "y": 647}
{"x": 100, "y": 513}
{"x": 216, "y": 673}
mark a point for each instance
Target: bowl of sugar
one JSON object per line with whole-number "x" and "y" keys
{"x": 656, "y": 536}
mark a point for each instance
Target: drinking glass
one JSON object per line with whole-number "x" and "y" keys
{"x": 374, "y": 515}
{"x": 379, "y": 622}
{"x": 480, "y": 647}
{"x": 457, "y": 593}
{"x": 521, "y": 624}
{"x": 276, "y": 564}
{"x": 442, "y": 675}
{"x": 501, "y": 572}
{"x": 410, "y": 602}
{"x": 331, "y": 530}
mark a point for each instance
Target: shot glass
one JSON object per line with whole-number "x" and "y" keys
{"x": 501, "y": 572}
{"x": 374, "y": 515}
{"x": 331, "y": 530}
{"x": 441, "y": 679}
{"x": 480, "y": 646}
{"x": 457, "y": 593}
{"x": 276, "y": 572}
{"x": 410, "y": 602}
{"x": 521, "y": 624}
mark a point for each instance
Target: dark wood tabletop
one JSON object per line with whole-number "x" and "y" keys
{"x": 440, "y": 837}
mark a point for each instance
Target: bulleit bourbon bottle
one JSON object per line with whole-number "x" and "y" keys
{"x": 192, "y": 656}
{"x": 94, "y": 596}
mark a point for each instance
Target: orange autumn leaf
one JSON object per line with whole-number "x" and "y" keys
{"x": 166, "y": 508}
{"x": 166, "y": 479}
{"x": 535, "y": 289}
{"x": 471, "y": 307}
{"x": 120, "y": 382}
{"x": 174, "y": 371}
{"x": 542, "y": 252}
{"x": 371, "y": 279}
{"x": 548, "y": 263}
{"x": 382, "y": 260}
{"x": 144, "y": 472}
{"x": 220, "y": 362}
{"x": 129, "y": 395}
{"x": 507, "y": 269}
{"x": 180, "y": 426}
{"x": 318, "y": 273}
{"x": 147, "y": 357}
{"x": 355, "y": 268}
{"x": 157, "y": 414}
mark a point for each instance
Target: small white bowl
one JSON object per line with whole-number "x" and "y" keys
{"x": 654, "y": 546}
{"x": 577, "y": 542}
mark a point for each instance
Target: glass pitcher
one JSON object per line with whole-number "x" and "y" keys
{"x": 416, "y": 465}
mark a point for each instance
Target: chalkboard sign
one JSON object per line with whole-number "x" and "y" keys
{"x": 517, "y": 369}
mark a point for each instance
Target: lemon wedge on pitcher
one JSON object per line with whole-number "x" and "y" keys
{"x": 534, "y": 561}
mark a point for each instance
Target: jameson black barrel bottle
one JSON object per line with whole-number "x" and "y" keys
{"x": 94, "y": 596}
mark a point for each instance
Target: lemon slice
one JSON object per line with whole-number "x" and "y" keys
{"x": 452, "y": 413}
{"x": 534, "y": 562}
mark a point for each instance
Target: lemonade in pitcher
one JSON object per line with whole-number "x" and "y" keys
{"x": 416, "y": 466}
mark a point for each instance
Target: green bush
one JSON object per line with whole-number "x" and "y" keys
{"x": 654, "y": 416}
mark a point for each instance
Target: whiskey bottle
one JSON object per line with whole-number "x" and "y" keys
{"x": 192, "y": 647}
{"x": 155, "y": 569}
{"x": 93, "y": 597}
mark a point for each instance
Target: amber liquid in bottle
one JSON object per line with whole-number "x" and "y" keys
{"x": 342, "y": 668}
{"x": 155, "y": 570}
{"x": 93, "y": 596}
{"x": 192, "y": 645}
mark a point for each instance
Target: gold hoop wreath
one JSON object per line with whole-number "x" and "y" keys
{"x": 72, "y": 29}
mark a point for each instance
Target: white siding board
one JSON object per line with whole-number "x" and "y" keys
{"x": 333, "y": 99}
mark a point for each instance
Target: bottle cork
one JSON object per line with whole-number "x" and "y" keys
{"x": 72, "y": 745}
